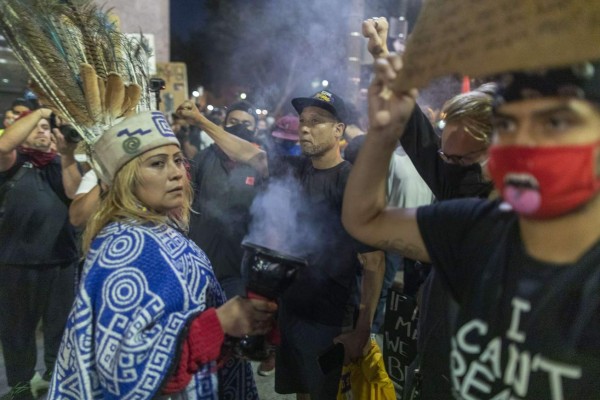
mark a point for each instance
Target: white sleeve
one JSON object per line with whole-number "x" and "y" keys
{"x": 406, "y": 188}
{"x": 88, "y": 182}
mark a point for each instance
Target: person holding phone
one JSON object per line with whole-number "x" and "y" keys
{"x": 38, "y": 249}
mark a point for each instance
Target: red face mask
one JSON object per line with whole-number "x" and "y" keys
{"x": 545, "y": 182}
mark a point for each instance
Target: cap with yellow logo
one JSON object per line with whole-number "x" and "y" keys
{"x": 323, "y": 99}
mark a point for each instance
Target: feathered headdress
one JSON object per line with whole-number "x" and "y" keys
{"x": 89, "y": 73}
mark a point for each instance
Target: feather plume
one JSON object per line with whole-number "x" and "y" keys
{"x": 83, "y": 67}
{"x": 133, "y": 93}
{"x": 102, "y": 93}
{"x": 115, "y": 95}
{"x": 91, "y": 91}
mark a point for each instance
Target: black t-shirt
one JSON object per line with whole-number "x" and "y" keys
{"x": 525, "y": 328}
{"x": 35, "y": 228}
{"x": 323, "y": 290}
{"x": 224, "y": 191}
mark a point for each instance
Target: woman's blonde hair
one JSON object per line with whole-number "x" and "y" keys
{"x": 473, "y": 110}
{"x": 121, "y": 203}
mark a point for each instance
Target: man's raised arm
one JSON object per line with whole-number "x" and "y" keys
{"x": 236, "y": 148}
{"x": 364, "y": 211}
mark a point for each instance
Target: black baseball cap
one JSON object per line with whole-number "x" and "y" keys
{"x": 323, "y": 99}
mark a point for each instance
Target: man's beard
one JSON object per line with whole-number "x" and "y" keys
{"x": 40, "y": 144}
{"x": 315, "y": 151}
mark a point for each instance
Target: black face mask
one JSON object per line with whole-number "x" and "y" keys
{"x": 242, "y": 132}
{"x": 466, "y": 179}
{"x": 287, "y": 147}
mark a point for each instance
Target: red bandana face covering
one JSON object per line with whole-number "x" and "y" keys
{"x": 38, "y": 158}
{"x": 545, "y": 182}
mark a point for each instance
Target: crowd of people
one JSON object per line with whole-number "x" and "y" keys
{"x": 131, "y": 258}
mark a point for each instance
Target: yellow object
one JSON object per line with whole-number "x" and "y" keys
{"x": 366, "y": 378}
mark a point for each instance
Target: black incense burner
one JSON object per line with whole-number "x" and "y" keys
{"x": 268, "y": 274}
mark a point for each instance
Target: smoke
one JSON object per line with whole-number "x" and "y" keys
{"x": 272, "y": 49}
{"x": 283, "y": 219}
{"x": 293, "y": 45}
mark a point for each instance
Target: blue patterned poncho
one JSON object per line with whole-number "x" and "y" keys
{"x": 141, "y": 287}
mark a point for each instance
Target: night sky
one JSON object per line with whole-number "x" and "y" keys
{"x": 271, "y": 49}
{"x": 186, "y": 15}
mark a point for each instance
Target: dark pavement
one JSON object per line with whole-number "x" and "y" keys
{"x": 264, "y": 383}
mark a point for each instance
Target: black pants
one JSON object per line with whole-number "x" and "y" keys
{"x": 28, "y": 294}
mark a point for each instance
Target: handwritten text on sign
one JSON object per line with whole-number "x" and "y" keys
{"x": 485, "y": 37}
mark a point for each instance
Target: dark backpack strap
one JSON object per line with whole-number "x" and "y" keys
{"x": 9, "y": 184}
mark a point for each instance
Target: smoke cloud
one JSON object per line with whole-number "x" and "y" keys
{"x": 273, "y": 49}
{"x": 283, "y": 220}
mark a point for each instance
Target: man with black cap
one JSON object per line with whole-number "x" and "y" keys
{"x": 322, "y": 302}
{"x": 525, "y": 268}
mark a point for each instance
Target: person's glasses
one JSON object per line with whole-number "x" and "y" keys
{"x": 465, "y": 159}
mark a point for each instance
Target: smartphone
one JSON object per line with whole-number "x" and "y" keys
{"x": 331, "y": 358}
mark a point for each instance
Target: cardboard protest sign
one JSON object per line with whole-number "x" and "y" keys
{"x": 485, "y": 37}
{"x": 176, "y": 85}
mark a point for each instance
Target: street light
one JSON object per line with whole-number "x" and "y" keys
{"x": 196, "y": 93}
{"x": 243, "y": 96}
{"x": 324, "y": 83}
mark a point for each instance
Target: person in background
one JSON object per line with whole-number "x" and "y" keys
{"x": 87, "y": 199}
{"x": 38, "y": 250}
{"x": 189, "y": 137}
{"x": 22, "y": 106}
{"x": 285, "y": 138}
{"x": 19, "y": 107}
{"x": 355, "y": 126}
{"x": 224, "y": 190}
{"x": 405, "y": 188}
{"x": 8, "y": 120}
